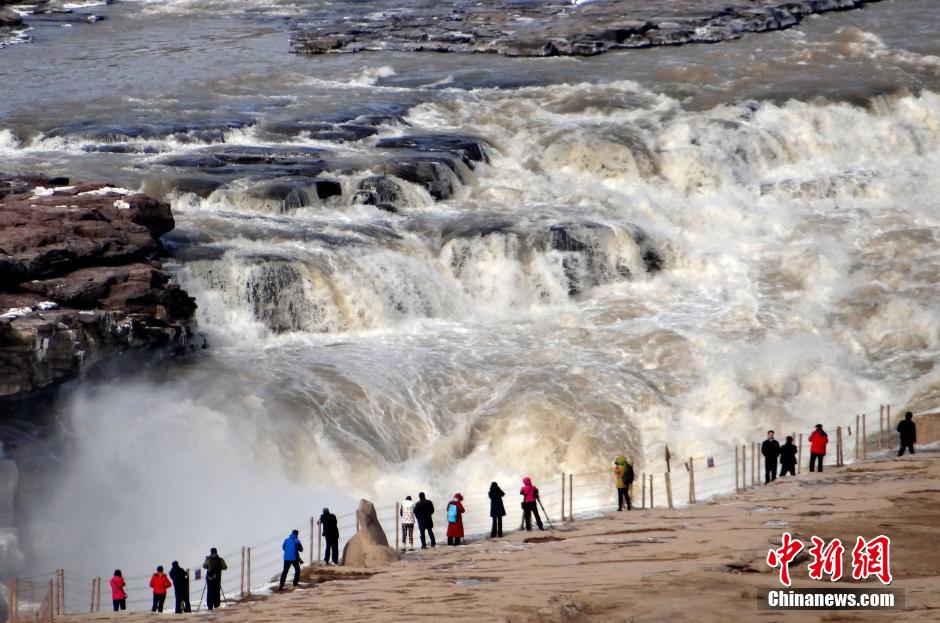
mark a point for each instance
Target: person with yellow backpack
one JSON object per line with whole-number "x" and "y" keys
{"x": 623, "y": 474}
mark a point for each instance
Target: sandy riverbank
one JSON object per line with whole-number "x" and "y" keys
{"x": 703, "y": 563}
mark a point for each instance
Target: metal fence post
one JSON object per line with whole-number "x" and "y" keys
{"x": 857, "y": 420}
{"x": 799, "y": 456}
{"x": 887, "y": 426}
{"x": 643, "y": 489}
{"x": 864, "y": 436}
{"x": 571, "y": 496}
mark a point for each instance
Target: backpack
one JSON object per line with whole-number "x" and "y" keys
{"x": 452, "y": 513}
{"x": 628, "y": 474}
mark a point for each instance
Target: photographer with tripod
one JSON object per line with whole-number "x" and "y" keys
{"x": 214, "y": 566}
{"x": 530, "y": 502}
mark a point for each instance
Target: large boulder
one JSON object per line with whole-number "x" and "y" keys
{"x": 369, "y": 547}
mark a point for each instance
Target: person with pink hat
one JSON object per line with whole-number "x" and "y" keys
{"x": 455, "y": 513}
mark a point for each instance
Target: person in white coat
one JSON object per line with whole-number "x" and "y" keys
{"x": 407, "y": 513}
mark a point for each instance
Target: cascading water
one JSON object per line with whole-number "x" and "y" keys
{"x": 533, "y": 279}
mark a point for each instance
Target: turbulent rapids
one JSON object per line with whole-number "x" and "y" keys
{"x": 431, "y": 273}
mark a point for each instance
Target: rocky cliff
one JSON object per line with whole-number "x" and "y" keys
{"x": 80, "y": 283}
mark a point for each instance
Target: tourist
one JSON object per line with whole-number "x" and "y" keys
{"x": 180, "y": 579}
{"x": 159, "y": 583}
{"x": 455, "y": 511}
{"x": 330, "y": 531}
{"x": 118, "y": 593}
{"x": 497, "y": 510}
{"x": 788, "y": 457}
{"x": 292, "y": 548}
{"x": 424, "y": 511}
{"x": 407, "y": 512}
{"x": 771, "y": 450}
{"x": 908, "y": 433}
{"x": 530, "y": 504}
{"x": 623, "y": 475}
{"x": 817, "y": 447}
{"x": 214, "y": 566}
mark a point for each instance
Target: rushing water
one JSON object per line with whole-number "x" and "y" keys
{"x": 680, "y": 246}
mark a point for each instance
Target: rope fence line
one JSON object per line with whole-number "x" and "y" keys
{"x": 668, "y": 483}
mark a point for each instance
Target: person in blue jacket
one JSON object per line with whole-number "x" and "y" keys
{"x": 292, "y": 548}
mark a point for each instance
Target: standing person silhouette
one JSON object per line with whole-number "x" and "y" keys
{"x": 330, "y": 528}
{"x": 530, "y": 504}
{"x": 118, "y": 592}
{"x": 817, "y": 447}
{"x": 455, "y": 511}
{"x": 497, "y": 510}
{"x": 788, "y": 457}
{"x": 180, "y": 579}
{"x": 424, "y": 514}
{"x": 214, "y": 566}
{"x": 292, "y": 548}
{"x": 407, "y": 513}
{"x": 907, "y": 431}
{"x": 159, "y": 583}
{"x": 771, "y": 451}
{"x": 623, "y": 478}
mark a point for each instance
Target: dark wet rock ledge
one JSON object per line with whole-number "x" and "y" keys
{"x": 555, "y": 27}
{"x": 80, "y": 284}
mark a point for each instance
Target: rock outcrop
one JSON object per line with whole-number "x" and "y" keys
{"x": 369, "y": 547}
{"x": 554, "y": 27}
{"x": 80, "y": 283}
{"x": 9, "y": 18}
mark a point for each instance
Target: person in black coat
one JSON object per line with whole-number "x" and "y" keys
{"x": 330, "y": 535}
{"x": 908, "y": 432}
{"x": 424, "y": 509}
{"x": 497, "y": 510}
{"x": 180, "y": 580}
{"x": 788, "y": 458}
{"x": 771, "y": 450}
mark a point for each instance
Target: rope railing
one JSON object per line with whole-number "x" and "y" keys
{"x": 663, "y": 483}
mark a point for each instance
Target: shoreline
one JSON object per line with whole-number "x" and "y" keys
{"x": 644, "y": 565}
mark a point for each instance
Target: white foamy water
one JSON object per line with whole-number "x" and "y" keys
{"x": 688, "y": 257}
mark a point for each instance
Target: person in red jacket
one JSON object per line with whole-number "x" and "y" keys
{"x": 159, "y": 583}
{"x": 817, "y": 447}
{"x": 118, "y": 594}
{"x": 455, "y": 512}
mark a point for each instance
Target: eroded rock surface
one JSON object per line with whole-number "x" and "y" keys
{"x": 555, "y": 27}
{"x": 80, "y": 282}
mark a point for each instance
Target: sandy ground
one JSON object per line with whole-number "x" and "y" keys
{"x": 704, "y": 563}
